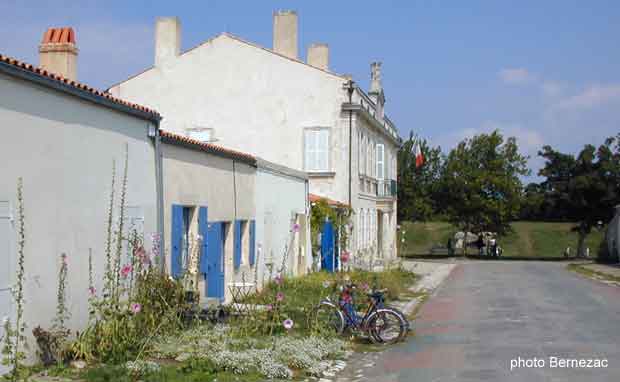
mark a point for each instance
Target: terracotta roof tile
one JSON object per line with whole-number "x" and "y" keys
{"x": 208, "y": 147}
{"x": 83, "y": 87}
{"x": 331, "y": 202}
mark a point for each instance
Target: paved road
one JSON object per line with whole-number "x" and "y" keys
{"x": 489, "y": 313}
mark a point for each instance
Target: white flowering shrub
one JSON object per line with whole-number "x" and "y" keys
{"x": 307, "y": 353}
{"x": 248, "y": 354}
{"x": 142, "y": 368}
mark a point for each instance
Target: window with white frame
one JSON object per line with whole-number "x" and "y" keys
{"x": 360, "y": 229}
{"x": 316, "y": 150}
{"x": 368, "y": 156}
{"x": 380, "y": 161}
{"x": 359, "y": 152}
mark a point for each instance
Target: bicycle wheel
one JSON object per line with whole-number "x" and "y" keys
{"x": 386, "y": 327}
{"x": 326, "y": 319}
{"x": 400, "y": 313}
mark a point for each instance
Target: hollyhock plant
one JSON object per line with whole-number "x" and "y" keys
{"x": 126, "y": 270}
{"x": 280, "y": 296}
{"x": 295, "y": 227}
{"x": 278, "y": 280}
{"x": 92, "y": 291}
{"x": 288, "y": 324}
{"x": 269, "y": 308}
{"x": 344, "y": 257}
{"x": 136, "y": 308}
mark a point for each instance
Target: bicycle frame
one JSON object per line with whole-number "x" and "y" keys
{"x": 352, "y": 318}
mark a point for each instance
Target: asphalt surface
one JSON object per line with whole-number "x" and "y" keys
{"x": 488, "y": 314}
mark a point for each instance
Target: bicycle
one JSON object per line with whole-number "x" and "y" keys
{"x": 382, "y": 324}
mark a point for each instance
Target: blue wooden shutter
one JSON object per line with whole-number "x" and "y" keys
{"x": 238, "y": 236}
{"x": 176, "y": 241}
{"x": 252, "y": 242}
{"x": 203, "y": 230}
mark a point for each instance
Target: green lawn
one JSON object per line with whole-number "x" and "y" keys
{"x": 528, "y": 239}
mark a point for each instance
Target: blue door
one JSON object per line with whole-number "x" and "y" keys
{"x": 177, "y": 241}
{"x": 213, "y": 263}
{"x": 327, "y": 247}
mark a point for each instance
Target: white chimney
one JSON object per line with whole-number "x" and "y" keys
{"x": 167, "y": 39}
{"x": 285, "y": 33}
{"x": 376, "y": 89}
{"x": 318, "y": 55}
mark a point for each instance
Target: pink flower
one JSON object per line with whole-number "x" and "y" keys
{"x": 280, "y": 296}
{"x": 365, "y": 287}
{"x": 288, "y": 324}
{"x": 278, "y": 280}
{"x": 344, "y": 257}
{"x": 92, "y": 291}
{"x": 136, "y": 308}
{"x": 126, "y": 270}
{"x": 295, "y": 227}
{"x": 269, "y": 308}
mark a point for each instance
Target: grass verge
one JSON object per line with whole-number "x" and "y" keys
{"x": 529, "y": 240}
{"x": 590, "y": 273}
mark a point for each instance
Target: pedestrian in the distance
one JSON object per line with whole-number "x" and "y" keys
{"x": 480, "y": 244}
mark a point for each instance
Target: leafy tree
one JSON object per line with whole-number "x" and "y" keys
{"x": 480, "y": 185}
{"x": 418, "y": 186}
{"x": 532, "y": 202}
{"x": 586, "y": 187}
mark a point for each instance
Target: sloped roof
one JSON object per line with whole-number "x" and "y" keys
{"x": 241, "y": 40}
{"x": 13, "y": 66}
{"x": 331, "y": 202}
{"x": 210, "y": 148}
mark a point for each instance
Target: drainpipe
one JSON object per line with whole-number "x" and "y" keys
{"x": 159, "y": 190}
{"x": 350, "y": 89}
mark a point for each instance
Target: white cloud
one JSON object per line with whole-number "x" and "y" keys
{"x": 552, "y": 89}
{"x": 592, "y": 96}
{"x": 516, "y": 76}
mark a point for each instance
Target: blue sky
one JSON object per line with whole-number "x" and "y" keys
{"x": 546, "y": 72}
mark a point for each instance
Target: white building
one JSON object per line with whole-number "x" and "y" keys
{"x": 61, "y": 138}
{"x": 269, "y": 103}
{"x": 240, "y": 209}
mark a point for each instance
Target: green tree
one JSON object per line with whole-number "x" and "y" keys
{"x": 586, "y": 187}
{"x": 481, "y": 184}
{"x": 418, "y": 186}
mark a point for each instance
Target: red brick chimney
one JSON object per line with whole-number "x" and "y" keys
{"x": 58, "y": 52}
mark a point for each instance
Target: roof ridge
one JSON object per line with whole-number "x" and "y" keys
{"x": 241, "y": 39}
{"x": 39, "y": 71}
{"x": 210, "y": 147}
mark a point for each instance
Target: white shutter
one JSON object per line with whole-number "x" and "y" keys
{"x": 310, "y": 149}
{"x": 380, "y": 162}
{"x": 316, "y": 149}
{"x": 323, "y": 150}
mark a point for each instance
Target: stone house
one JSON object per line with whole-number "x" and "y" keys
{"x": 270, "y": 103}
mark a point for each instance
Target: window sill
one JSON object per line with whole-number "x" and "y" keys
{"x": 324, "y": 174}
